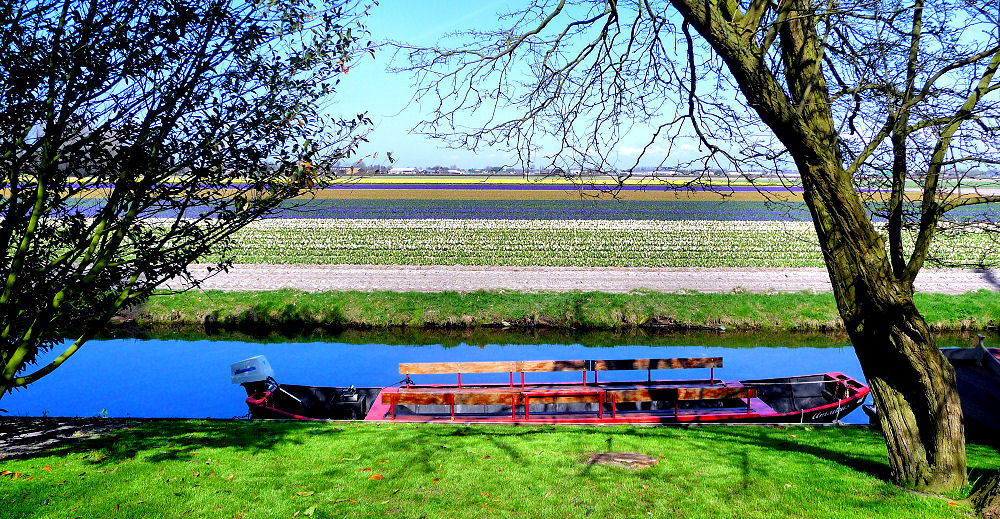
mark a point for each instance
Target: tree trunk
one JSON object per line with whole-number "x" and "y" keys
{"x": 913, "y": 386}
{"x": 986, "y": 499}
{"x": 912, "y": 383}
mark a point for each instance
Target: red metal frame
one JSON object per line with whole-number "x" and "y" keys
{"x": 599, "y": 393}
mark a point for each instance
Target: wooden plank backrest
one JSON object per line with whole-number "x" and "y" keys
{"x": 552, "y": 365}
{"x": 685, "y": 363}
{"x": 715, "y": 393}
{"x": 428, "y": 368}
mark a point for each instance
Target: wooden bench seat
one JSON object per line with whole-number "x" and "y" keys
{"x": 648, "y": 365}
{"x": 511, "y": 367}
{"x": 593, "y": 393}
{"x": 452, "y": 397}
{"x": 678, "y": 394}
{"x": 566, "y": 395}
{"x": 539, "y": 366}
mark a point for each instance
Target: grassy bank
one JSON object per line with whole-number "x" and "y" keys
{"x": 263, "y": 470}
{"x": 298, "y": 310}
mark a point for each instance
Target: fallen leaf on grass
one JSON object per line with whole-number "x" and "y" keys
{"x": 305, "y": 493}
{"x": 383, "y": 461}
{"x": 952, "y": 503}
{"x": 4, "y": 473}
{"x": 436, "y": 480}
{"x": 296, "y": 514}
{"x": 231, "y": 476}
{"x": 364, "y": 470}
{"x": 376, "y": 477}
{"x": 46, "y": 467}
{"x": 309, "y": 511}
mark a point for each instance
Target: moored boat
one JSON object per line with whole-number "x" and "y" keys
{"x": 977, "y": 375}
{"x": 818, "y": 398}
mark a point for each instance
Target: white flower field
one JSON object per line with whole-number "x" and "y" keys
{"x": 566, "y": 243}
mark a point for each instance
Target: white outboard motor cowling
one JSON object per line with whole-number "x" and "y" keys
{"x": 254, "y": 369}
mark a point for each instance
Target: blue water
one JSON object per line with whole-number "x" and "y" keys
{"x": 190, "y": 379}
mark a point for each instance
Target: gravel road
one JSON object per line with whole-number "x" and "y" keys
{"x": 530, "y": 279}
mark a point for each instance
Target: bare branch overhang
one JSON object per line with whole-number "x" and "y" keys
{"x": 931, "y": 209}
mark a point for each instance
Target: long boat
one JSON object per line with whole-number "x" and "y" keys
{"x": 818, "y": 398}
{"x": 977, "y": 375}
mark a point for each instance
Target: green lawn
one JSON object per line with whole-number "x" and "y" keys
{"x": 255, "y": 469}
{"x": 298, "y": 310}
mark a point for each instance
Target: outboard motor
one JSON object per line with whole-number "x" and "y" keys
{"x": 252, "y": 373}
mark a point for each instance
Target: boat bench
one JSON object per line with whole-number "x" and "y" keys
{"x": 452, "y": 397}
{"x": 538, "y": 366}
{"x": 648, "y": 365}
{"x": 483, "y": 395}
{"x": 513, "y": 395}
{"x": 520, "y": 366}
{"x": 679, "y": 394}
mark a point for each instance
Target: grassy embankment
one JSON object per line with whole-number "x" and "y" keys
{"x": 258, "y": 470}
{"x": 298, "y": 310}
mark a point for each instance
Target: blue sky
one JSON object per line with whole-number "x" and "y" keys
{"x": 387, "y": 96}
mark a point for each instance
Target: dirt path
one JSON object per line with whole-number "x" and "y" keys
{"x": 464, "y": 279}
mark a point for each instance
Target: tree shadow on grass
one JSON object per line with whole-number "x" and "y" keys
{"x": 161, "y": 440}
{"x": 840, "y": 449}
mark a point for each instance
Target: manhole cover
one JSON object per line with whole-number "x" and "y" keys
{"x": 633, "y": 460}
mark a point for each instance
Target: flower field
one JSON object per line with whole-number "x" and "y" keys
{"x": 579, "y": 209}
{"x": 548, "y": 242}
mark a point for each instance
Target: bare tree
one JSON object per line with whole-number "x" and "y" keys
{"x": 138, "y": 135}
{"x": 899, "y": 97}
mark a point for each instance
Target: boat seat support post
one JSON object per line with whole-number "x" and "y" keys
{"x": 460, "y": 380}
{"x": 711, "y": 375}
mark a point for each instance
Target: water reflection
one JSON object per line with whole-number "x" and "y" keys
{"x": 190, "y": 378}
